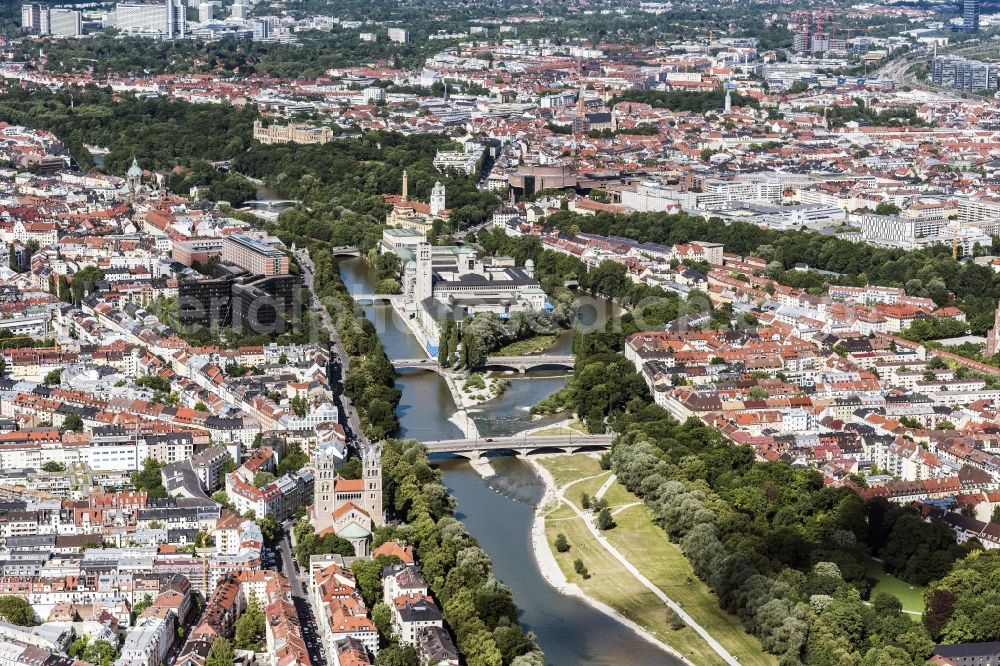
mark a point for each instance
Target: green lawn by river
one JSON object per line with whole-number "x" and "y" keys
{"x": 649, "y": 549}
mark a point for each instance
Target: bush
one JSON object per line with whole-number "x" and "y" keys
{"x": 676, "y": 623}
{"x": 581, "y": 569}
{"x": 606, "y": 460}
{"x": 562, "y": 545}
{"x": 585, "y": 500}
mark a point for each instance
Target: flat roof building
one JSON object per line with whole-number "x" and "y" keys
{"x": 254, "y": 255}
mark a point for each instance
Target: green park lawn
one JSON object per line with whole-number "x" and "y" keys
{"x": 911, "y": 596}
{"x": 661, "y": 561}
{"x": 611, "y": 584}
{"x": 649, "y": 549}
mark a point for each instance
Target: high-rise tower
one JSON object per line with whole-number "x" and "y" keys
{"x": 970, "y": 15}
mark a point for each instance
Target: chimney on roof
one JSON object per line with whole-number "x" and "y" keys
{"x": 406, "y": 185}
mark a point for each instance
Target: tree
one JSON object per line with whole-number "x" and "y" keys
{"x": 143, "y": 604}
{"x": 221, "y": 653}
{"x": 887, "y": 208}
{"x": 351, "y": 469}
{"x": 53, "y": 377}
{"x": 580, "y": 568}
{"x": 397, "y": 655}
{"x": 101, "y": 653}
{"x": 73, "y": 422}
{"x": 149, "y": 480}
{"x": 368, "y": 574}
{"x": 300, "y": 405}
{"x": 562, "y": 545}
{"x": 53, "y": 466}
{"x": 228, "y": 466}
{"x": 220, "y": 497}
{"x": 249, "y": 632}
{"x": 604, "y": 520}
{"x": 261, "y": 479}
{"x": 269, "y": 528}
{"x": 382, "y": 617}
{"x": 293, "y": 460}
{"x": 16, "y": 611}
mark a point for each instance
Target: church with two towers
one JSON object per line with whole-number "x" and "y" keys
{"x": 349, "y": 508}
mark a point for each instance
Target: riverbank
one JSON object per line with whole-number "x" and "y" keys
{"x": 498, "y": 506}
{"x": 549, "y": 567}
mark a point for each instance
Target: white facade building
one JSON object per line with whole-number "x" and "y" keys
{"x": 159, "y": 21}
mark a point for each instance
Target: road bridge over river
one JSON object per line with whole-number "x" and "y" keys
{"x": 520, "y": 445}
{"x": 519, "y": 363}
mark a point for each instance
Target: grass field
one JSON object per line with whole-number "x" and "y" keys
{"x": 572, "y": 428}
{"x": 662, "y": 562}
{"x": 610, "y": 583}
{"x": 912, "y": 596}
{"x": 647, "y": 547}
{"x": 567, "y": 469}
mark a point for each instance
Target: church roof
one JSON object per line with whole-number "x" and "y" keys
{"x": 346, "y": 508}
{"x": 354, "y": 531}
{"x": 342, "y": 485}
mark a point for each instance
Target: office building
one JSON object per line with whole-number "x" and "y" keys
{"x": 164, "y": 20}
{"x": 254, "y": 255}
{"x": 238, "y": 12}
{"x": 39, "y": 19}
{"x": 400, "y": 35}
{"x": 240, "y": 300}
{"x": 31, "y": 17}
{"x": 206, "y": 12}
{"x": 963, "y": 74}
{"x": 202, "y": 302}
{"x": 970, "y": 15}
{"x": 65, "y": 22}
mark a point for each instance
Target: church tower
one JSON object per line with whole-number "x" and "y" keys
{"x": 324, "y": 503}
{"x": 134, "y": 177}
{"x": 437, "y": 199}
{"x": 371, "y": 460}
{"x": 993, "y": 337}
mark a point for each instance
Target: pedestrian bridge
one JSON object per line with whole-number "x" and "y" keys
{"x": 519, "y": 363}
{"x": 371, "y": 299}
{"x": 345, "y": 251}
{"x": 519, "y": 445}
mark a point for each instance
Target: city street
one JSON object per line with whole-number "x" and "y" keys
{"x": 285, "y": 563}
{"x": 350, "y": 420}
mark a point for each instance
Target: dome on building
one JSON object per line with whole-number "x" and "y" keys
{"x": 411, "y": 265}
{"x": 529, "y": 263}
{"x": 134, "y": 171}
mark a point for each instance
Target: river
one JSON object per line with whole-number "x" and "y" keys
{"x": 498, "y": 511}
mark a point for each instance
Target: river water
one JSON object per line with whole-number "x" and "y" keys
{"x": 499, "y": 511}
